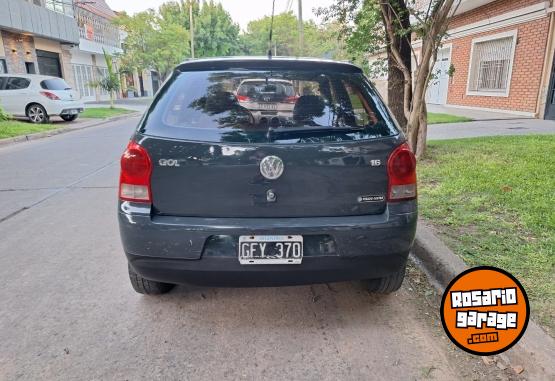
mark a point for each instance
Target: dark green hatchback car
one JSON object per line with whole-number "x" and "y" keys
{"x": 267, "y": 172}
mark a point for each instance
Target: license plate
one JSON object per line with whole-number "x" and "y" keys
{"x": 267, "y": 106}
{"x": 271, "y": 250}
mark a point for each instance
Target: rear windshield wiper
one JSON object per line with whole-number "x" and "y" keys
{"x": 272, "y": 132}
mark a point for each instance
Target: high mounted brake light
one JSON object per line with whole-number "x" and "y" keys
{"x": 136, "y": 168}
{"x": 401, "y": 169}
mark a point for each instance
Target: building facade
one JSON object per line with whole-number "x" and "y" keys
{"x": 497, "y": 55}
{"x": 97, "y": 34}
{"x": 36, "y": 37}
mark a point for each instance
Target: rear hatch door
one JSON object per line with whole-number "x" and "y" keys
{"x": 220, "y": 180}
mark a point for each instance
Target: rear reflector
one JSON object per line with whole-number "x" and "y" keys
{"x": 134, "y": 192}
{"x": 401, "y": 169}
{"x": 136, "y": 168}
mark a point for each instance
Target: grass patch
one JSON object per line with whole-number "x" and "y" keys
{"x": 493, "y": 200}
{"x": 436, "y": 118}
{"x": 102, "y": 113}
{"x": 12, "y": 128}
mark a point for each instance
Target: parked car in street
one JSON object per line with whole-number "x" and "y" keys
{"x": 38, "y": 97}
{"x": 268, "y": 100}
{"x": 208, "y": 196}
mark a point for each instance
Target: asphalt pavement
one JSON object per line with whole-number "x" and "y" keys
{"x": 68, "y": 311}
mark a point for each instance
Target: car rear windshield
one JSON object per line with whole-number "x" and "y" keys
{"x": 277, "y": 106}
{"x": 55, "y": 84}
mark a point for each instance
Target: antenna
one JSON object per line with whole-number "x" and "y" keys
{"x": 271, "y": 31}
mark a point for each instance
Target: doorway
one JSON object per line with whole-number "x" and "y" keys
{"x": 439, "y": 86}
{"x": 49, "y": 63}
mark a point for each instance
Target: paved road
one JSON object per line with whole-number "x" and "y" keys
{"x": 67, "y": 310}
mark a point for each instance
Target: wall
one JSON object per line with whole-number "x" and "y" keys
{"x": 17, "y": 47}
{"x": 24, "y": 16}
{"x": 528, "y": 61}
{"x": 489, "y": 10}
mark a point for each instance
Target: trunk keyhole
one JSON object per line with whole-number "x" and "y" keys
{"x": 271, "y": 196}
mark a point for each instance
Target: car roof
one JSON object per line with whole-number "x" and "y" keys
{"x": 30, "y": 76}
{"x": 265, "y": 63}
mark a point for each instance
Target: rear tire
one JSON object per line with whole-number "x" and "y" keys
{"x": 69, "y": 118}
{"x": 388, "y": 284}
{"x": 37, "y": 114}
{"x": 147, "y": 287}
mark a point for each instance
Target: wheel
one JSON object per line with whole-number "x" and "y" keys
{"x": 147, "y": 287}
{"x": 37, "y": 114}
{"x": 388, "y": 284}
{"x": 69, "y": 118}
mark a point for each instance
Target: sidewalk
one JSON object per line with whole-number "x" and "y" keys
{"x": 477, "y": 115}
{"x": 490, "y": 128}
{"x": 136, "y": 104}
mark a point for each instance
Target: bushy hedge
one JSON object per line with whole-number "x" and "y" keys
{"x": 3, "y": 115}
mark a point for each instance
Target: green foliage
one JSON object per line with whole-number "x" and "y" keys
{"x": 438, "y": 118}
{"x": 318, "y": 41}
{"x": 154, "y": 41}
{"x": 360, "y": 24}
{"x": 492, "y": 200}
{"x": 3, "y": 115}
{"x": 160, "y": 39}
{"x": 111, "y": 82}
{"x": 102, "y": 113}
{"x": 12, "y": 128}
{"x": 215, "y": 32}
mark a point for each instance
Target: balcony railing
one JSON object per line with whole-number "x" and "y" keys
{"x": 98, "y": 29}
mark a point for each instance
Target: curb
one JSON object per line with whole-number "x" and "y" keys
{"x": 535, "y": 351}
{"x": 46, "y": 134}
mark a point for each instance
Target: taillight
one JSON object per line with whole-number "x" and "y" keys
{"x": 243, "y": 98}
{"x": 292, "y": 99}
{"x": 136, "y": 168}
{"x": 50, "y": 95}
{"x": 401, "y": 169}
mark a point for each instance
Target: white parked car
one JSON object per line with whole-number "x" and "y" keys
{"x": 38, "y": 97}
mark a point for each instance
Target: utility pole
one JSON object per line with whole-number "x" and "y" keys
{"x": 301, "y": 28}
{"x": 192, "y": 29}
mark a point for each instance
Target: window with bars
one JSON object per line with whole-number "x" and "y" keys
{"x": 83, "y": 77}
{"x": 102, "y": 73}
{"x": 491, "y": 65}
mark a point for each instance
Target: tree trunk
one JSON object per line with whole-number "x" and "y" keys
{"x": 396, "y": 79}
{"x": 111, "y": 99}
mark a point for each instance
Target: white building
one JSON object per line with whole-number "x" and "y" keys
{"x": 96, "y": 32}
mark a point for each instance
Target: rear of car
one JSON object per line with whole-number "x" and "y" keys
{"x": 39, "y": 97}
{"x": 62, "y": 100}
{"x": 211, "y": 195}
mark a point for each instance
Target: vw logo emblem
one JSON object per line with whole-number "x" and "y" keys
{"x": 271, "y": 167}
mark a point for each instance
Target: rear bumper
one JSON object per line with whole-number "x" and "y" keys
{"x": 63, "y": 107}
{"x": 227, "y": 272}
{"x": 204, "y": 250}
